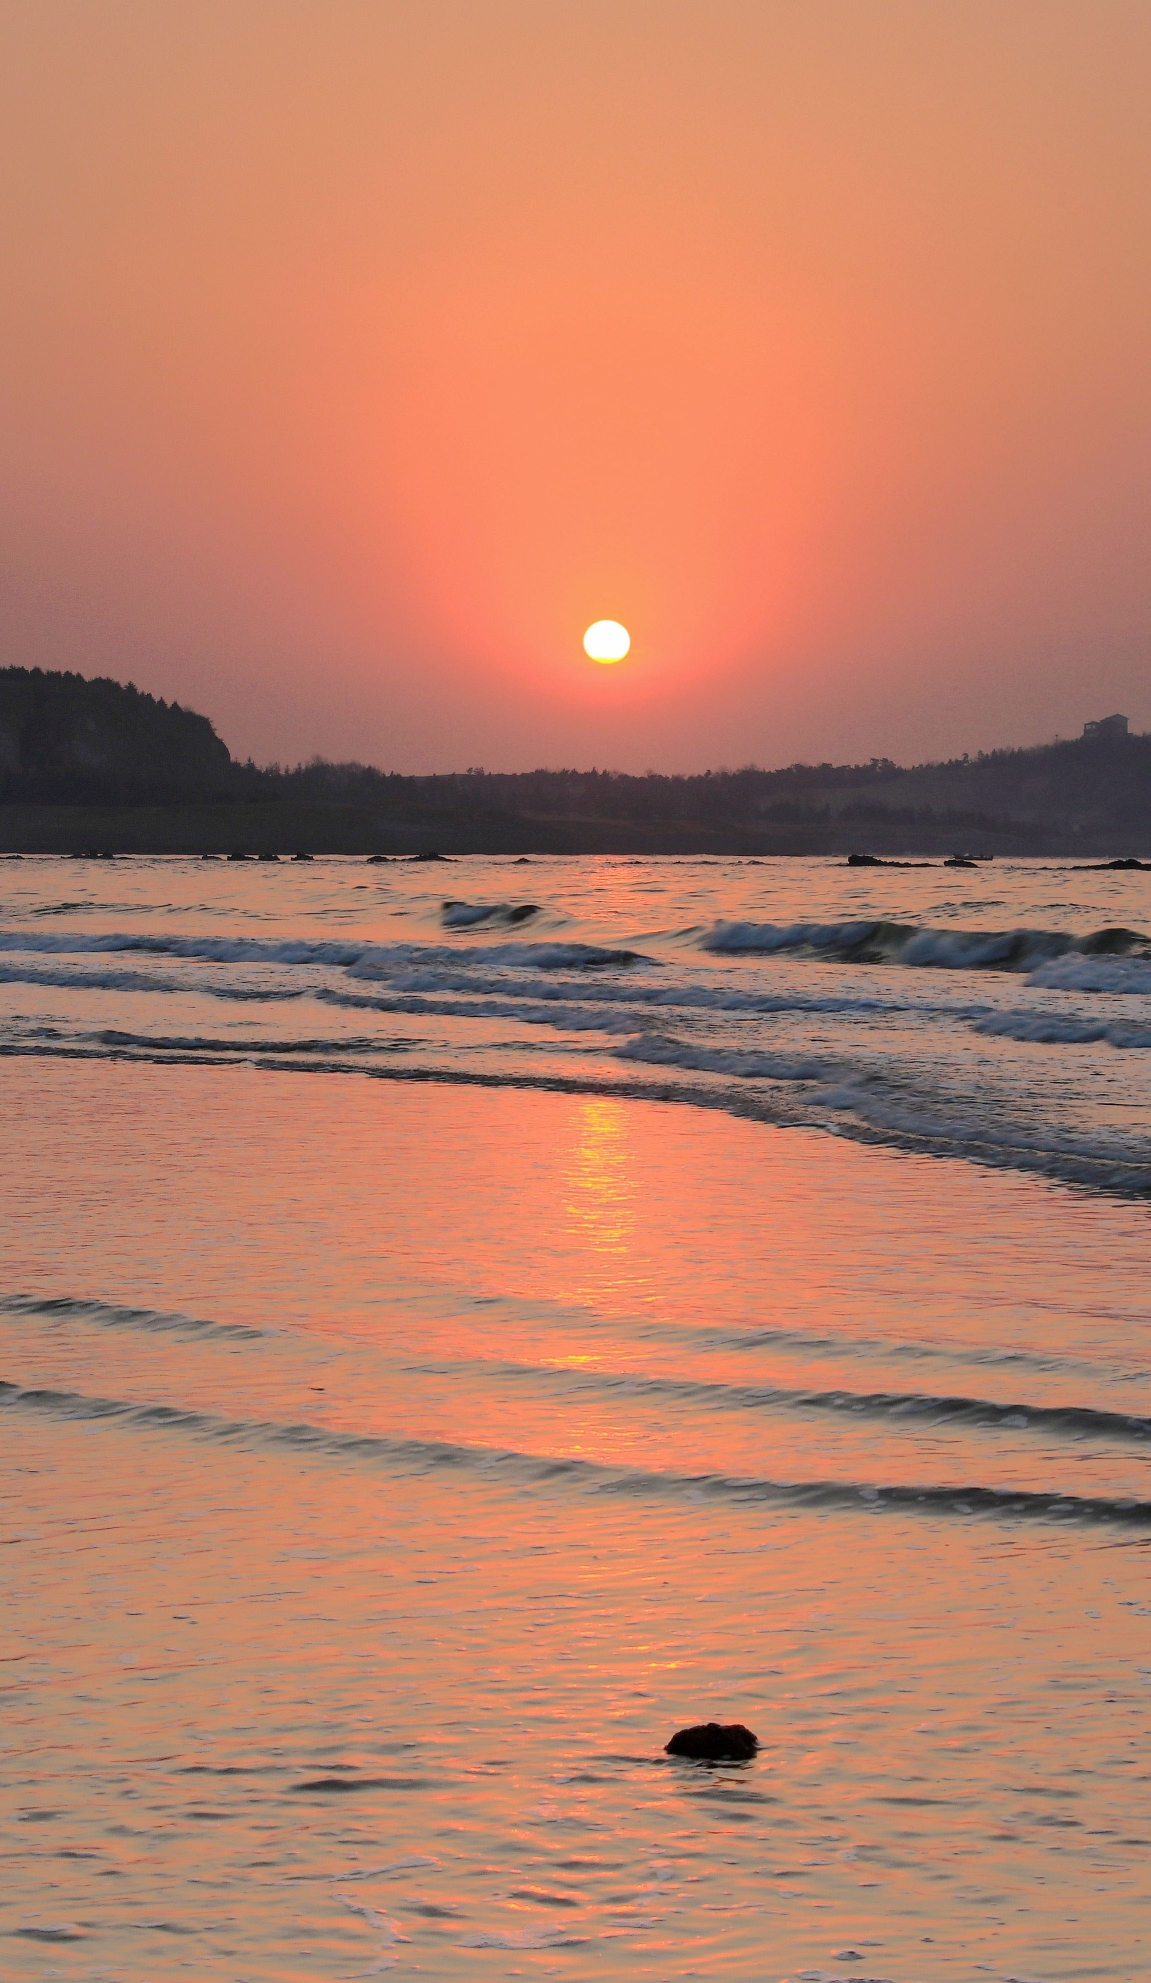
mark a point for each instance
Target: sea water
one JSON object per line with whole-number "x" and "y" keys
{"x": 678, "y": 1290}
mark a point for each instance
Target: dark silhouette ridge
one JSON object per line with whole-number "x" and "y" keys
{"x": 67, "y": 740}
{"x": 126, "y": 771}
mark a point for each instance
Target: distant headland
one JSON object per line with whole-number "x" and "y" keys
{"x": 99, "y": 766}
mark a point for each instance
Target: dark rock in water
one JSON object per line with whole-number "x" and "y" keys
{"x": 877, "y": 861}
{"x": 238, "y": 856}
{"x": 269, "y": 857}
{"x": 1124, "y": 866}
{"x": 303, "y": 857}
{"x": 433, "y": 856}
{"x": 714, "y": 1742}
{"x": 375, "y": 859}
{"x": 959, "y": 861}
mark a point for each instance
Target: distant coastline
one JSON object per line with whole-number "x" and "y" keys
{"x": 98, "y": 767}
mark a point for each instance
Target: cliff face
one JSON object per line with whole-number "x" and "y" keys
{"x": 65, "y": 740}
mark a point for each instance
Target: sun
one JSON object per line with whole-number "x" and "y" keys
{"x": 606, "y": 641}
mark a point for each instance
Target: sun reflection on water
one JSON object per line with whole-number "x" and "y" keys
{"x": 601, "y": 1201}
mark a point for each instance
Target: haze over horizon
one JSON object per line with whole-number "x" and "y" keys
{"x": 356, "y": 357}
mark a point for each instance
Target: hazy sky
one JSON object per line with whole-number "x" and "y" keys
{"x": 355, "y": 354}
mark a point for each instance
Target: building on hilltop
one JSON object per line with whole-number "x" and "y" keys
{"x": 1106, "y": 728}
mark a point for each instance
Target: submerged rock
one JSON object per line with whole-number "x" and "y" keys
{"x": 714, "y": 1742}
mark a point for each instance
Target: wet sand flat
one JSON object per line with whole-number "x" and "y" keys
{"x": 389, "y": 1469}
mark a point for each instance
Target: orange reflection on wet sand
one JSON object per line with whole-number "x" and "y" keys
{"x": 443, "y": 1442}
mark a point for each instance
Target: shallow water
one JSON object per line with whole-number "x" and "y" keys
{"x": 389, "y": 1467}
{"x": 1002, "y": 1012}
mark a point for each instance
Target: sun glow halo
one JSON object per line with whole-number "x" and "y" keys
{"x": 606, "y": 641}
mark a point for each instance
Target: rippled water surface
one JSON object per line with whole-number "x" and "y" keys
{"x": 390, "y": 1465}
{"x": 1001, "y": 1011}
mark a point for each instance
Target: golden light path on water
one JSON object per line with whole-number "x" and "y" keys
{"x": 389, "y": 1466}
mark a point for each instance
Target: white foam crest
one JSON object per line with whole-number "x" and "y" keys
{"x": 208, "y": 949}
{"x": 69, "y": 977}
{"x": 73, "y": 979}
{"x": 568, "y": 1018}
{"x": 1095, "y": 974}
{"x": 636, "y": 990}
{"x": 384, "y": 960}
{"x": 769, "y": 937}
{"x": 1050, "y": 1029}
{"x": 388, "y": 1930}
{"x": 359, "y": 958}
{"x": 972, "y": 950}
{"x": 901, "y": 1119}
{"x": 654, "y": 1049}
{"x": 1032, "y": 950}
{"x": 987, "y": 1137}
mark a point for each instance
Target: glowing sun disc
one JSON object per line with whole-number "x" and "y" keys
{"x": 606, "y": 641}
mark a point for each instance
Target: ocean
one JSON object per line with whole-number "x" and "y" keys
{"x": 463, "y": 1321}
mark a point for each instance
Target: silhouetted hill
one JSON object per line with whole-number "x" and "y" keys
{"x": 1094, "y": 789}
{"x": 67, "y": 740}
{"x": 71, "y": 743}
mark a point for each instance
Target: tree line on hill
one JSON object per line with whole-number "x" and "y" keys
{"x": 68, "y": 740}
{"x": 65, "y": 740}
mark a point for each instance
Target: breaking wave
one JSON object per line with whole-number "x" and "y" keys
{"x": 1024, "y": 950}
{"x": 350, "y": 956}
{"x": 1057, "y": 1029}
{"x": 991, "y": 1066}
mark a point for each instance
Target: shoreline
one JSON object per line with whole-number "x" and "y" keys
{"x": 1099, "y": 1178}
{"x": 285, "y": 828}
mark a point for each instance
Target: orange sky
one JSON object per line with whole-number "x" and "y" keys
{"x": 355, "y": 354}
